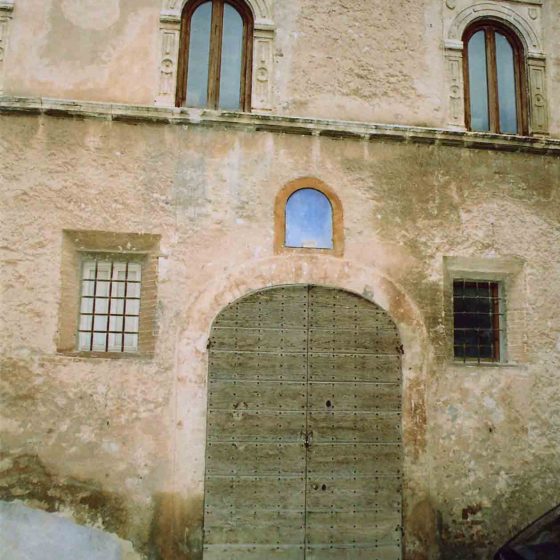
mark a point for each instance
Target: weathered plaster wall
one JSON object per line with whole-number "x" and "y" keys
{"x": 371, "y": 61}
{"x": 84, "y": 49}
{"x": 119, "y": 443}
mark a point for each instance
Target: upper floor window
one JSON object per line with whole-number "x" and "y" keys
{"x": 495, "y": 90}
{"x": 215, "y": 55}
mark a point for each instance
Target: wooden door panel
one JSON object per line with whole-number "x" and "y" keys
{"x": 355, "y": 552}
{"x": 327, "y": 316}
{"x": 254, "y": 552}
{"x": 353, "y": 341}
{"x": 256, "y": 425}
{"x": 354, "y": 402}
{"x": 258, "y": 366}
{"x": 354, "y": 367}
{"x": 233, "y": 492}
{"x": 349, "y": 527}
{"x": 358, "y": 459}
{"x": 348, "y": 494}
{"x": 358, "y": 427}
{"x": 263, "y": 459}
{"x": 265, "y": 314}
{"x": 256, "y": 395}
{"x": 265, "y": 339}
{"x": 354, "y": 397}
{"x": 256, "y": 526}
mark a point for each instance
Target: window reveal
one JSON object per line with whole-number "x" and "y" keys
{"x": 215, "y": 55}
{"x": 478, "y": 320}
{"x": 495, "y": 97}
{"x": 110, "y": 306}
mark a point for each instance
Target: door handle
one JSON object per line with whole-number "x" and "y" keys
{"x": 309, "y": 439}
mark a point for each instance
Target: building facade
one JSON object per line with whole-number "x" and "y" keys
{"x": 281, "y": 278}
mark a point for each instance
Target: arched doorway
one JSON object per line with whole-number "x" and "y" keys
{"x": 304, "y": 454}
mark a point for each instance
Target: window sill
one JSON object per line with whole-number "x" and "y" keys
{"x": 459, "y": 364}
{"x": 141, "y": 356}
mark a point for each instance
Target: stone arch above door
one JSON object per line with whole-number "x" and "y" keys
{"x": 203, "y": 306}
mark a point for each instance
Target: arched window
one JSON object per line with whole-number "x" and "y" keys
{"x": 308, "y": 218}
{"x": 494, "y": 75}
{"x": 215, "y": 55}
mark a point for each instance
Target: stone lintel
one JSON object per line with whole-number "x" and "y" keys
{"x": 278, "y": 124}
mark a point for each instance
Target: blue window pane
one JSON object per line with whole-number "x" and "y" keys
{"x": 232, "y": 51}
{"x": 478, "y": 82}
{"x": 199, "y": 55}
{"x": 309, "y": 221}
{"x": 506, "y": 85}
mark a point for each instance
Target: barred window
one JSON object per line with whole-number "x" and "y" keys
{"x": 110, "y": 305}
{"x": 478, "y": 315}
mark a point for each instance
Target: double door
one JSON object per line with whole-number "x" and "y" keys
{"x": 303, "y": 456}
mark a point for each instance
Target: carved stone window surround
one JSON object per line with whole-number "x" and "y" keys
{"x": 524, "y": 18}
{"x": 263, "y": 49}
{"x": 6, "y": 9}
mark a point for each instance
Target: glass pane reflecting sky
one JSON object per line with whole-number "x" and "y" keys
{"x": 309, "y": 220}
{"x": 506, "y": 85}
{"x": 232, "y": 51}
{"x": 199, "y": 54}
{"x": 478, "y": 82}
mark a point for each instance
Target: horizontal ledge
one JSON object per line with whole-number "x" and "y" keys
{"x": 277, "y": 124}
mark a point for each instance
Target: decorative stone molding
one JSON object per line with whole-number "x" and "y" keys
{"x": 277, "y": 124}
{"x": 6, "y": 8}
{"x": 523, "y": 18}
{"x": 263, "y": 49}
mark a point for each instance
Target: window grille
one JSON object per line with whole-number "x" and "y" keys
{"x": 478, "y": 317}
{"x": 110, "y": 306}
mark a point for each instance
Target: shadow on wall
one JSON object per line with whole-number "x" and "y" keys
{"x": 30, "y": 533}
{"x": 42, "y": 532}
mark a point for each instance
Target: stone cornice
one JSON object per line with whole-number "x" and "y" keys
{"x": 6, "y": 5}
{"x": 277, "y": 124}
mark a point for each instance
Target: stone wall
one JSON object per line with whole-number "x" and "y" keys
{"x": 369, "y": 61}
{"x": 119, "y": 443}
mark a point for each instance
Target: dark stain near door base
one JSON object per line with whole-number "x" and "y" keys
{"x": 176, "y": 531}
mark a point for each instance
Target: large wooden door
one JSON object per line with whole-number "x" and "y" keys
{"x": 304, "y": 429}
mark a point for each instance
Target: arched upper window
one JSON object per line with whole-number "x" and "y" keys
{"x": 215, "y": 55}
{"x": 308, "y": 218}
{"x": 495, "y": 84}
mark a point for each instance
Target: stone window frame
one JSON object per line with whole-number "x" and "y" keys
{"x": 6, "y": 9}
{"x": 263, "y": 53}
{"x": 77, "y": 246}
{"x": 462, "y": 14}
{"x": 282, "y": 197}
{"x": 508, "y": 273}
